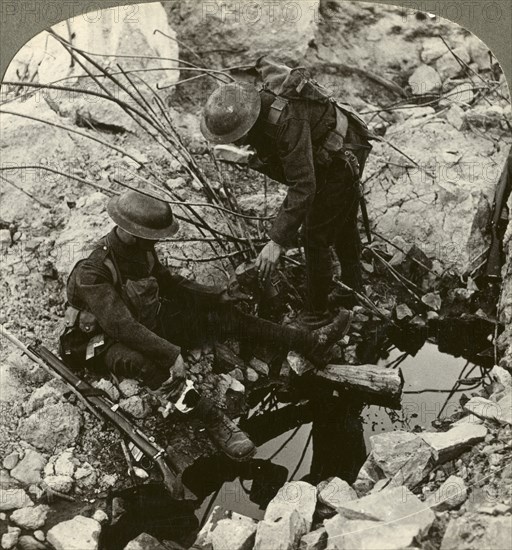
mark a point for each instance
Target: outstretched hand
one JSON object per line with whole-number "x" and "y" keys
{"x": 268, "y": 259}
{"x": 178, "y": 370}
{"x": 173, "y": 386}
{"x": 233, "y": 294}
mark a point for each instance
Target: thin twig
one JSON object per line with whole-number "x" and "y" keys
{"x": 139, "y": 93}
{"x": 416, "y": 261}
{"x": 204, "y": 205}
{"x": 73, "y": 131}
{"x": 54, "y": 171}
{"x": 189, "y": 66}
{"x": 108, "y": 97}
{"x": 302, "y": 456}
{"x": 179, "y": 42}
{"x": 408, "y": 285}
{"x": 72, "y": 50}
{"x": 119, "y": 56}
{"x": 211, "y": 258}
{"x": 365, "y": 302}
{"x": 45, "y": 205}
{"x": 464, "y": 65}
{"x": 389, "y": 84}
{"x": 405, "y": 105}
{"x": 398, "y": 150}
{"x": 102, "y": 75}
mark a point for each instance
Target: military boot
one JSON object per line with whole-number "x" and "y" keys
{"x": 327, "y": 336}
{"x": 224, "y": 432}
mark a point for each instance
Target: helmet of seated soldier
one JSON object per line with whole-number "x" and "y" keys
{"x": 230, "y": 112}
{"x": 143, "y": 216}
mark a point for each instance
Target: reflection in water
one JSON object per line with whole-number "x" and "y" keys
{"x": 312, "y": 432}
{"x": 338, "y": 442}
{"x": 150, "y": 509}
{"x": 310, "y": 440}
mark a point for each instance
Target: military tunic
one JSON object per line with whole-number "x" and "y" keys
{"x": 323, "y": 199}
{"x": 147, "y": 313}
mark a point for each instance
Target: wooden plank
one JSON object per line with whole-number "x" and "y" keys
{"x": 366, "y": 378}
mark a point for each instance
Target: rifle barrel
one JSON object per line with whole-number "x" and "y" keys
{"x": 99, "y": 404}
{"x": 28, "y": 351}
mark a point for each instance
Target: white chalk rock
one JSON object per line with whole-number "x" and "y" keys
{"x": 79, "y": 533}
{"x": 296, "y": 496}
{"x": 424, "y": 79}
{"x": 452, "y": 493}
{"x": 284, "y": 533}
{"x": 397, "y": 505}
{"x": 447, "y": 445}
{"x": 236, "y": 533}
{"x": 335, "y": 492}
{"x": 31, "y": 517}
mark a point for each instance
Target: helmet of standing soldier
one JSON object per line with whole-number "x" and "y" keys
{"x": 230, "y": 112}
{"x": 143, "y": 216}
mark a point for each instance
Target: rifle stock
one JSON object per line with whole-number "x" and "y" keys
{"x": 102, "y": 407}
{"x": 493, "y": 267}
{"x": 499, "y": 222}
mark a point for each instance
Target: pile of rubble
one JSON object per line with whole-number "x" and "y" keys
{"x": 452, "y": 487}
{"x": 27, "y": 477}
{"x": 431, "y": 488}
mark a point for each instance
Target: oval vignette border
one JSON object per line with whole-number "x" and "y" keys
{"x": 489, "y": 20}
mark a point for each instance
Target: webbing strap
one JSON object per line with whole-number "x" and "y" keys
{"x": 341, "y": 123}
{"x": 113, "y": 271}
{"x": 276, "y": 109}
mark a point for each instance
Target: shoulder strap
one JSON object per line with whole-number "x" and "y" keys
{"x": 274, "y": 115}
{"x": 110, "y": 263}
{"x": 276, "y": 109}
{"x": 152, "y": 259}
{"x": 113, "y": 270}
{"x": 341, "y": 123}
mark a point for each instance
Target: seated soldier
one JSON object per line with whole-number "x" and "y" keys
{"x": 132, "y": 315}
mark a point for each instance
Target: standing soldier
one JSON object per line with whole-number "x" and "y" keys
{"x": 130, "y": 314}
{"x": 305, "y": 140}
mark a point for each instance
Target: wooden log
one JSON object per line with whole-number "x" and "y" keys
{"x": 370, "y": 379}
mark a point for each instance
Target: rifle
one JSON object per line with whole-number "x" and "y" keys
{"x": 101, "y": 406}
{"x": 366, "y": 219}
{"x": 499, "y": 223}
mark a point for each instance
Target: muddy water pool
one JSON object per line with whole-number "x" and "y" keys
{"x": 319, "y": 435}
{"x": 330, "y": 440}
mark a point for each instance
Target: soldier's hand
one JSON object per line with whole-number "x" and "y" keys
{"x": 233, "y": 294}
{"x": 173, "y": 386}
{"x": 178, "y": 370}
{"x": 268, "y": 259}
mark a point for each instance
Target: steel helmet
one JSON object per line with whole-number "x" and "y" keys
{"x": 230, "y": 112}
{"x": 142, "y": 216}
